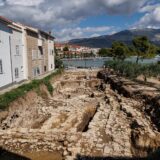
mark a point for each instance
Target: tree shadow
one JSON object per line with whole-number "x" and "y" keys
{"x": 153, "y": 156}
{"x": 149, "y": 84}
{"x": 6, "y": 155}
{"x": 79, "y": 157}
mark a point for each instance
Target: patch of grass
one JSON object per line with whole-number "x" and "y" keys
{"x": 14, "y": 94}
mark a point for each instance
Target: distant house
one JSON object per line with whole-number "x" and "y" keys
{"x": 75, "y": 50}
{"x": 59, "y": 49}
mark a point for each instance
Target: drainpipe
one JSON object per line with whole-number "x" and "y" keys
{"x": 11, "y": 58}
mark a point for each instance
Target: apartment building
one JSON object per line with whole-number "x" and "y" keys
{"x": 25, "y": 52}
{"x": 11, "y": 57}
{"x": 40, "y": 52}
{"x": 5, "y": 53}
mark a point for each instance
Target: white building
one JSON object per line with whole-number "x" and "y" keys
{"x": 17, "y": 44}
{"x": 11, "y": 53}
{"x": 17, "y": 54}
{"x": 5, "y": 53}
{"x": 51, "y": 54}
{"x": 24, "y": 50}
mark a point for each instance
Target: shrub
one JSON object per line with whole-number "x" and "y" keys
{"x": 132, "y": 70}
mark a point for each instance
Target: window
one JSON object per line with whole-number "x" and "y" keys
{"x": 1, "y": 67}
{"x": 16, "y": 73}
{"x": 36, "y": 71}
{"x": 40, "y": 50}
{"x": 51, "y": 66}
{"x": 17, "y": 50}
{"x": 51, "y": 52}
{"x": 45, "y": 68}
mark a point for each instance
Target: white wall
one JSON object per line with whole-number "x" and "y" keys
{"x": 51, "y": 55}
{"x": 25, "y": 57}
{"x": 17, "y": 55}
{"x": 6, "y": 76}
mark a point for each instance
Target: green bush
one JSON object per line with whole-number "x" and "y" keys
{"x": 9, "y": 97}
{"x": 133, "y": 70}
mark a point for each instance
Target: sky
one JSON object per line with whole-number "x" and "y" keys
{"x": 71, "y": 19}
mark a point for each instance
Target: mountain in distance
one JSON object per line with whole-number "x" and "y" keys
{"x": 125, "y": 36}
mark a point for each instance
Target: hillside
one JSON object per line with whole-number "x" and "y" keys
{"x": 125, "y": 36}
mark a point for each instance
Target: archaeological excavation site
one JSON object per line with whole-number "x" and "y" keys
{"x": 91, "y": 114}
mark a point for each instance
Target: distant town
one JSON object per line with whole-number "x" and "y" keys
{"x": 65, "y": 50}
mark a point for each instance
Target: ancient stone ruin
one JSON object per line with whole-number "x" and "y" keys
{"x": 106, "y": 116}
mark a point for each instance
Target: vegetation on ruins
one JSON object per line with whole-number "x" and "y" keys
{"x": 133, "y": 70}
{"x": 58, "y": 62}
{"x": 9, "y": 97}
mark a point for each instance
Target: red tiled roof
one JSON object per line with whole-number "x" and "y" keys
{"x": 60, "y": 45}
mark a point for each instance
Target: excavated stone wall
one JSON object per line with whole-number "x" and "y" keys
{"x": 142, "y": 140}
{"x": 85, "y": 115}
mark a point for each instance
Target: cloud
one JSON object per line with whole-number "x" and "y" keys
{"x": 24, "y": 2}
{"x": 149, "y": 8}
{"x": 51, "y": 13}
{"x": 150, "y": 19}
{"x": 57, "y": 15}
{"x": 78, "y": 32}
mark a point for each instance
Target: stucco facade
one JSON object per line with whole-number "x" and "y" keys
{"x": 17, "y": 55}
{"x": 39, "y": 60}
{"x": 51, "y": 54}
{"x": 25, "y": 52}
{"x": 5, "y": 55}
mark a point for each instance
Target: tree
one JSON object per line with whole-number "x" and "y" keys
{"x": 65, "y": 49}
{"x": 92, "y": 54}
{"x": 105, "y": 52}
{"x": 75, "y": 55}
{"x": 142, "y": 46}
{"x": 152, "y": 51}
{"x": 158, "y": 50}
{"x": 119, "y": 50}
{"x": 58, "y": 62}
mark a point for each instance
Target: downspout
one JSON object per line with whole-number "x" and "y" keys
{"x": 11, "y": 58}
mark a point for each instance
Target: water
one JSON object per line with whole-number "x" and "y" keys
{"x": 87, "y": 63}
{"x": 99, "y": 62}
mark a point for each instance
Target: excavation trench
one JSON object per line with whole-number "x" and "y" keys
{"x": 84, "y": 116}
{"x": 86, "y": 119}
{"x": 145, "y": 138}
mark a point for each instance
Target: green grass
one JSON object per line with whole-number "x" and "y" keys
{"x": 14, "y": 94}
{"x": 133, "y": 70}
